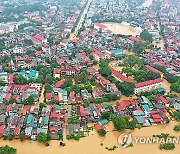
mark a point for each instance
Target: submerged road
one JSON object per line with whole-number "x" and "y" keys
{"x": 82, "y": 18}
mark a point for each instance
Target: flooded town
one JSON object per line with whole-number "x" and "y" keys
{"x": 89, "y": 76}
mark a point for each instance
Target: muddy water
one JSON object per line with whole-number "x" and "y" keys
{"x": 91, "y": 143}
{"x": 96, "y": 67}
{"x": 118, "y": 28}
{"x": 166, "y": 85}
{"x": 41, "y": 98}
{"x": 160, "y": 44}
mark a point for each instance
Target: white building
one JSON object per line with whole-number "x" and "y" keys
{"x": 148, "y": 85}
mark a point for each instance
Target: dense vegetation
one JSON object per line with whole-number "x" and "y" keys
{"x": 7, "y": 150}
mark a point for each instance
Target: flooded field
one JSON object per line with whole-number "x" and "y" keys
{"x": 118, "y": 28}
{"x": 91, "y": 144}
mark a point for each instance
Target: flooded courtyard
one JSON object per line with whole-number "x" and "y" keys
{"x": 122, "y": 29}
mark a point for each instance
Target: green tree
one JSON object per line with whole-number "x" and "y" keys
{"x": 120, "y": 123}
{"x": 19, "y": 79}
{"x": 104, "y": 69}
{"x": 132, "y": 124}
{"x": 145, "y": 35}
{"x": 30, "y": 100}
{"x": 138, "y": 47}
{"x": 133, "y": 62}
{"x": 42, "y": 137}
{"x": 105, "y": 115}
{"x": 7, "y": 150}
{"x": 42, "y": 105}
{"x": 22, "y": 136}
{"x": 176, "y": 115}
{"x": 48, "y": 87}
{"x": 102, "y": 132}
{"x": 175, "y": 86}
{"x": 126, "y": 88}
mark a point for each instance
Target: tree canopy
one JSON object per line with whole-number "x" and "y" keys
{"x": 145, "y": 35}
{"x": 7, "y": 150}
{"x": 120, "y": 122}
{"x": 132, "y": 61}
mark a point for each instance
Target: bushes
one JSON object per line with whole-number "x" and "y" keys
{"x": 120, "y": 123}
{"x": 75, "y": 136}
{"x": 102, "y": 132}
{"x": 7, "y": 150}
{"x": 176, "y": 115}
{"x": 112, "y": 148}
{"x": 177, "y": 127}
{"x": 42, "y": 137}
{"x": 167, "y": 146}
{"x": 22, "y": 136}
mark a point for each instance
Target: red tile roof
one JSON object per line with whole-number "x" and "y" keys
{"x": 17, "y": 130}
{"x": 2, "y": 128}
{"x": 119, "y": 75}
{"x": 72, "y": 95}
{"x": 82, "y": 111}
{"x": 48, "y": 95}
{"x": 56, "y": 97}
{"x": 59, "y": 84}
{"x": 24, "y": 110}
{"x": 98, "y": 126}
{"x": 10, "y": 78}
{"x": 146, "y": 83}
{"x": 55, "y": 115}
{"x": 134, "y": 38}
{"x": 162, "y": 99}
{"x": 100, "y": 25}
{"x": 39, "y": 52}
{"x": 75, "y": 40}
{"x": 153, "y": 69}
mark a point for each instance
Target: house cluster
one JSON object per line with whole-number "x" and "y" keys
{"x": 169, "y": 19}
{"x": 102, "y": 81}
{"x": 19, "y": 93}
{"x": 16, "y": 119}
{"x": 164, "y": 58}
{"x": 144, "y": 111}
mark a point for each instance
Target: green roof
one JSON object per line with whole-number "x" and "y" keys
{"x": 29, "y": 118}
{"x": 29, "y": 74}
{"x": 46, "y": 120}
{"x": 117, "y": 51}
{"x": 59, "y": 107}
{"x": 146, "y": 108}
{"x": 103, "y": 121}
{"x": 140, "y": 119}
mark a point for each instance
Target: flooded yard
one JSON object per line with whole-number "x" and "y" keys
{"x": 118, "y": 28}
{"x": 166, "y": 85}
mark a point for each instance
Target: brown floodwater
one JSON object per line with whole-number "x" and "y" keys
{"x": 91, "y": 143}
{"x": 41, "y": 98}
{"x": 118, "y": 28}
{"x": 96, "y": 67}
{"x": 160, "y": 44}
{"x": 166, "y": 85}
